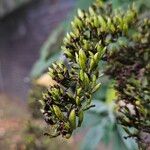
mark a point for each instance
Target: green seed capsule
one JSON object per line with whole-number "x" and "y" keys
{"x": 96, "y": 22}
{"x": 86, "y": 79}
{"x": 68, "y": 36}
{"x": 67, "y": 136}
{"x": 78, "y": 22}
{"x": 72, "y": 35}
{"x": 79, "y": 91}
{"x": 50, "y": 70}
{"x": 102, "y": 22}
{"x": 82, "y": 59}
{"x": 77, "y": 57}
{"x": 67, "y": 125}
{"x": 81, "y": 116}
{"x": 51, "y": 74}
{"x": 91, "y": 54}
{"x": 80, "y": 13}
{"x": 41, "y": 102}
{"x": 73, "y": 27}
{"x": 96, "y": 87}
{"x": 66, "y": 52}
{"x": 91, "y": 11}
{"x": 96, "y": 57}
{"x": 61, "y": 76}
{"x": 92, "y": 64}
{"x": 58, "y": 112}
{"x": 81, "y": 75}
{"x": 94, "y": 78}
{"x": 54, "y": 66}
{"x": 78, "y": 102}
{"x": 72, "y": 119}
{"x": 42, "y": 111}
{"x": 66, "y": 41}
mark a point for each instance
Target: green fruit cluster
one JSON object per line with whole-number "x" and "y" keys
{"x": 129, "y": 66}
{"x": 100, "y": 34}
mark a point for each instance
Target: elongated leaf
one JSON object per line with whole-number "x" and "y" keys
{"x": 94, "y": 120}
{"x": 129, "y": 143}
{"x": 100, "y": 107}
{"x": 117, "y": 142}
{"x": 52, "y": 40}
{"x": 109, "y": 132}
{"x": 93, "y": 137}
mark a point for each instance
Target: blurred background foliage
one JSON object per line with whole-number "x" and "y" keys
{"x": 100, "y": 122}
{"x": 7, "y": 6}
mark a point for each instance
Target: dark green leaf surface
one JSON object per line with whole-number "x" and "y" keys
{"x": 93, "y": 137}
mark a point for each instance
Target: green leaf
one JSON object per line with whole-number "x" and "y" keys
{"x": 50, "y": 42}
{"x": 48, "y": 53}
{"x": 100, "y": 107}
{"x": 129, "y": 143}
{"x": 109, "y": 132}
{"x": 93, "y": 117}
{"x": 117, "y": 142}
{"x": 93, "y": 137}
{"x": 100, "y": 93}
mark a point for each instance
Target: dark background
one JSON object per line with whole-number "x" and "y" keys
{"x": 22, "y": 33}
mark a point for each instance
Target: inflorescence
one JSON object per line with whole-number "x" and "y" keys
{"x": 100, "y": 34}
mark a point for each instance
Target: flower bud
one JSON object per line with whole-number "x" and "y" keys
{"x": 82, "y": 59}
{"x": 58, "y": 112}
{"x": 72, "y": 118}
{"x": 81, "y": 116}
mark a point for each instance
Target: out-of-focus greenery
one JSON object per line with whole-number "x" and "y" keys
{"x": 34, "y": 139}
{"x": 100, "y": 120}
{"x": 7, "y": 6}
{"x": 33, "y": 103}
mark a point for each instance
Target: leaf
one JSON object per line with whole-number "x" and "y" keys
{"x": 99, "y": 106}
{"x": 117, "y": 142}
{"x": 93, "y": 137}
{"x": 52, "y": 39}
{"x": 93, "y": 117}
{"x": 109, "y": 132}
{"x": 48, "y": 53}
{"x": 129, "y": 143}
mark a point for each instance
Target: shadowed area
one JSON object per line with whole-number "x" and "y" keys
{"x": 21, "y": 36}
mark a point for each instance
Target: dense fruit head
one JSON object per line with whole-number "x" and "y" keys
{"x": 100, "y": 34}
